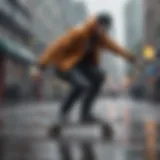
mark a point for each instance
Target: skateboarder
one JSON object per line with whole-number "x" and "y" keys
{"x": 75, "y": 56}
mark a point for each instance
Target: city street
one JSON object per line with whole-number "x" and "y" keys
{"x": 50, "y": 46}
{"x": 33, "y": 120}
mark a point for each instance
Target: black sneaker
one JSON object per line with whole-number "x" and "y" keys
{"x": 55, "y": 130}
{"x": 107, "y": 129}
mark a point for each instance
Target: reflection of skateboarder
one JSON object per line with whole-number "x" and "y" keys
{"x": 75, "y": 56}
{"x": 87, "y": 151}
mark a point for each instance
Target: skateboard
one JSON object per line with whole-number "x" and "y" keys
{"x": 55, "y": 132}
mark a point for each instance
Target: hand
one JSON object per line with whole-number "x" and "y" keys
{"x": 35, "y": 72}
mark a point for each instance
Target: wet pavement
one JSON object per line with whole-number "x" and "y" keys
{"x": 33, "y": 120}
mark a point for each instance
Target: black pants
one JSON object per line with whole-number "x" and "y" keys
{"x": 85, "y": 80}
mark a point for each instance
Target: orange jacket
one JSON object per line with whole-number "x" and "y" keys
{"x": 69, "y": 49}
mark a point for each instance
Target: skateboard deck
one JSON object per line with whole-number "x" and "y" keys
{"x": 81, "y": 132}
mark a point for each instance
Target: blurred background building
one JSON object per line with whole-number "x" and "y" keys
{"x": 152, "y": 23}
{"x": 32, "y": 25}
{"x": 52, "y": 18}
{"x": 134, "y": 27}
{"x": 15, "y": 26}
{"x": 15, "y": 20}
{"x": 142, "y": 37}
{"x": 141, "y": 24}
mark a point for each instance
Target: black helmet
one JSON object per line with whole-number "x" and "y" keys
{"x": 104, "y": 19}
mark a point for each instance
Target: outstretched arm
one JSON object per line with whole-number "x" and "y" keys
{"x": 110, "y": 44}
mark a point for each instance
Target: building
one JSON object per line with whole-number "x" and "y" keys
{"x": 80, "y": 13}
{"x": 152, "y": 23}
{"x": 15, "y": 20}
{"x": 52, "y": 18}
{"x": 48, "y": 22}
{"x": 134, "y": 26}
{"x": 134, "y": 21}
{"x": 15, "y": 27}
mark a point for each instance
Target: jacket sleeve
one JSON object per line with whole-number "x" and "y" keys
{"x": 63, "y": 44}
{"x": 110, "y": 44}
{"x": 48, "y": 54}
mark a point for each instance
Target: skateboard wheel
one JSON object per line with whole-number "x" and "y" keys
{"x": 107, "y": 132}
{"x": 54, "y": 132}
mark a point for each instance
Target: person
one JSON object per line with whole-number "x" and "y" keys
{"x": 75, "y": 56}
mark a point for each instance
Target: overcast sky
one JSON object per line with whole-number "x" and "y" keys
{"x": 113, "y": 6}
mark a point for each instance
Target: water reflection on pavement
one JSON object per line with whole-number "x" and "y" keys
{"x": 34, "y": 119}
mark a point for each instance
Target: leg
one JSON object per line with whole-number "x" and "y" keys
{"x": 96, "y": 78}
{"x": 78, "y": 85}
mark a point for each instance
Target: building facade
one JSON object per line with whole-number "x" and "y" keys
{"x": 15, "y": 25}
{"x": 53, "y": 18}
{"x": 80, "y": 13}
{"x": 134, "y": 27}
{"x": 134, "y": 22}
{"x": 152, "y": 23}
{"x": 15, "y": 20}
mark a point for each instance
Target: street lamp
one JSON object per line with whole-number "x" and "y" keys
{"x": 149, "y": 52}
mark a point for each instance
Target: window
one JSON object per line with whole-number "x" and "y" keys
{"x": 157, "y": 35}
{"x": 150, "y": 15}
{"x": 5, "y": 7}
{"x": 21, "y": 20}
